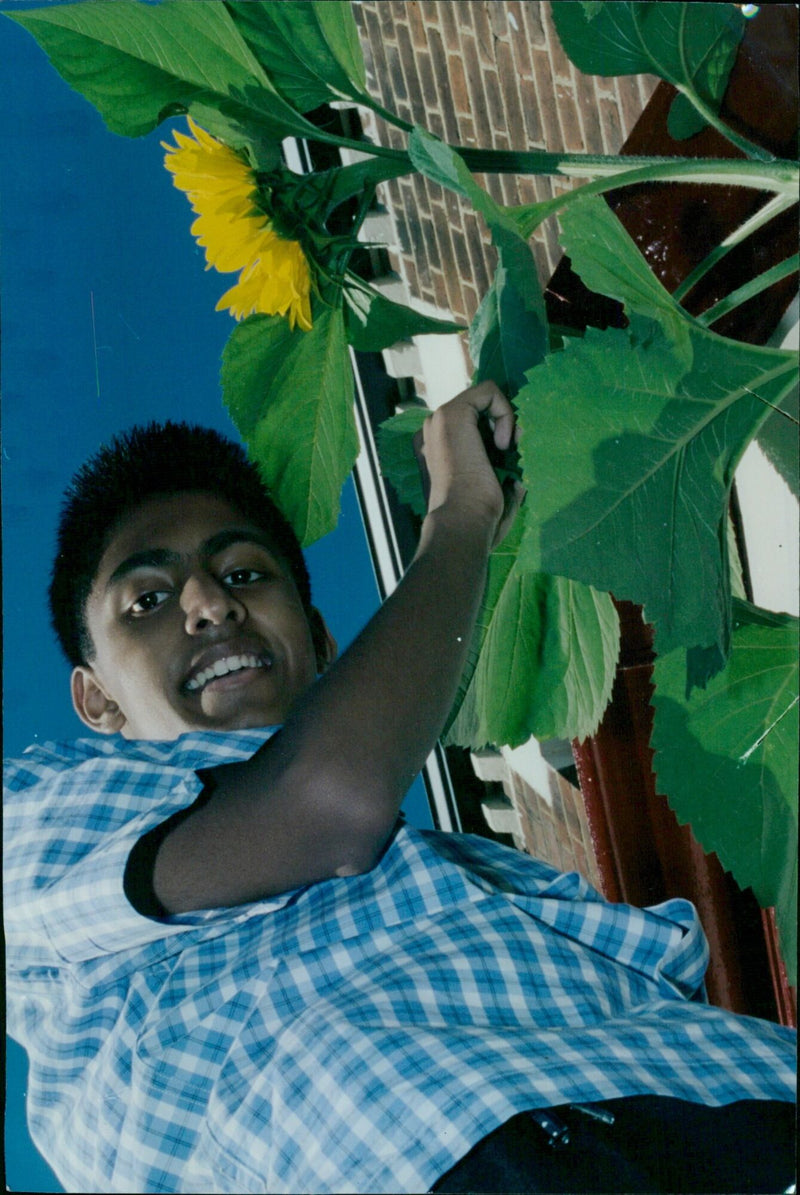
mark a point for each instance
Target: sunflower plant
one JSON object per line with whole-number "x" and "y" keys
{"x": 630, "y": 437}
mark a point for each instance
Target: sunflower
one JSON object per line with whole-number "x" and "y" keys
{"x": 235, "y": 235}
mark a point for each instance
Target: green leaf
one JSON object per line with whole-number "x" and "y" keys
{"x": 664, "y": 412}
{"x": 542, "y": 659}
{"x": 683, "y": 119}
{"x": 509, "y": 333}
{"x": 138, "y": 63}
{"x": 398, "y": 459}
{"x": 609, "y": 263}
{"x": 310, "y": 51}
{"x": 235, "y": 126}
{"x": 726, "y": 759}
{"x": 374, "y": 322}
{"x": 342, "y": 182}
{"x": 290, "y": 394}
{"x": 507, "y": 336}
{"x": 778, "y": 438}
{"x": 339, "y": 29}
{"x": 629, "y": 458}
{"x": 692, "y": 46}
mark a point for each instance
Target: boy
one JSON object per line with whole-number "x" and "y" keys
{"x": 234, "y": 970}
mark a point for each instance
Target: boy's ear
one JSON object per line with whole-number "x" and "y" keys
{"x": 94, "y": 708}
{"x": 324, "y": 642}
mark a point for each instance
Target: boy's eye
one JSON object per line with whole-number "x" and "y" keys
{"x": 243, "y": 576}
{"x": 149, "y": 601}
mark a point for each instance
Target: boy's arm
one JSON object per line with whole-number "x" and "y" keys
{"x": 321, "y": 797}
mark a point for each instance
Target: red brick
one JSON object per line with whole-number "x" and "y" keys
{"x": 396, "y": 89}
{"x": 455, "y": 300}
{"x": 471, "y": 304}
{"x": 439, "y": 290}
{"x": 589, "y": 108}
{"x": 434, "y": 194}
{"x": 420, "y": 194}
{"x": 416, "y": 23}
{"x": 510, "y": 187}
{"x": 453, "y": 207}
{"x": 467, "y": 126}
{"x": 387, "y": 20}
{"x": 410, "y": 272}
{"x": 399, "y": 9}
{"x": 408, "y": 59}
{"x": 426, "y": 78}
{"x": 610, "y": 124}
{"x": 494, "y": 100}
{"x": 495, "y": 187}
{"x": 393, "y": 196}
{"x": 630, "y": 103}
{"x": 478, "y": 103}
{"x": 498, "y": 20}
{"x": 428, "y": 294}
{"x": 431, "y": 247}
{"x": 531, "y": 116}
{"x": 448, "y": 20}
{"x": 505, "y": 69}
{"x": 435, "y": 125}
{"x": 532, "y": 26}
{"x": 527, "y": 188}
{"x": 476, "y": 15}
{"x": 647, "y": 85}
{"x": 543, "y": 81}
{"x": 461, "y": 256}
{"x": 522, "y": 59}
{"x": 482, "y": 256}
{"x": 401, "y": 109}
{"x": 439, "y": 61}
{"x": 403, "y": 233}
{"x": 374, "y": 41}
{"x": 419, "y": 250}
{"x": 458, "y": 84}
{"x": 543, "y": 266}
{"x": 550, "y": 238}
{"x": 431, "y": 11}
{"x": 569, "y": 118}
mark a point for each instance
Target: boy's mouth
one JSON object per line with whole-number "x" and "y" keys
{"x": 226, "y": 665}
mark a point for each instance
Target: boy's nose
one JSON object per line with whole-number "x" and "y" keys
{"x": 206, "y": 602}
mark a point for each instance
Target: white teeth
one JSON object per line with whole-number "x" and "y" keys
{"x": 222, "y": 667}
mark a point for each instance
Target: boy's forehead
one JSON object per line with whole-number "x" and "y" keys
{"x": 180, "y": 523}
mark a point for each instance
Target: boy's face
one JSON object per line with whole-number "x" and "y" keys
{"x": 196, "y": 625}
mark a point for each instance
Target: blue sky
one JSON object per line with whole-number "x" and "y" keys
{"x": 108, "y": 320}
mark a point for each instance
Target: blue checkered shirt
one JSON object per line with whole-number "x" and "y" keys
{"x": 359, "y": 1034}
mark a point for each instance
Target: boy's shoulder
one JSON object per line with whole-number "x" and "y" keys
{"x": 42, "y": 762}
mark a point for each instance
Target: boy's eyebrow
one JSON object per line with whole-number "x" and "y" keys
{"x": 160, "y": 557}
{"x": 148, "y": 558}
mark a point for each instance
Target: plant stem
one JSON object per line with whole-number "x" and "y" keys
{"x": 774, "y": 176}
{"x": 753, "y": 151}
{"x": 748, "y": 291}
{"x": 774, "y": 207}
{"x": 390, "y": 117}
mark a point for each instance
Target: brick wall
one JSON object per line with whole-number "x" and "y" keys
{"x": 488, "y": 73}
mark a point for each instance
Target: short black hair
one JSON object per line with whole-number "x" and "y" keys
{"x": 149, "y": 461}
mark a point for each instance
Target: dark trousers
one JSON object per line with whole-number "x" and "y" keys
{"x": 654, "y": 1145}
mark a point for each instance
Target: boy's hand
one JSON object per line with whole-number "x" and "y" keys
{"x": 456, "y": 470}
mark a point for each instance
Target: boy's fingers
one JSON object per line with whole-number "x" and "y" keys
{"x": 487, "y": 398}
{"x": 419, "y": 453}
